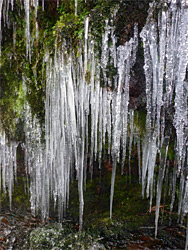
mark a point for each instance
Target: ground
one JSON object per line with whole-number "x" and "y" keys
{"x": 132, "y": 226}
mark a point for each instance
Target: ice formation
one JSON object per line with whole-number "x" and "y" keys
{"x": 8, "y": 164}
{"x": 34, "y": 159}
{"x": 87, "y": 108}
{"x": 70, "y": 99}
{"x": 166, "y": 59}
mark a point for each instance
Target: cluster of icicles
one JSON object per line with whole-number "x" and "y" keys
{"x": 84, "y": 112}
{"x": 72, "y": 99}
{"x": 165, "y": 44}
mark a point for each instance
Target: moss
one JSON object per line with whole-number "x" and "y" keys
{"x": 140, "y": 121}
{"x": 103, "y": 234}
{"x": 57, "y": 236}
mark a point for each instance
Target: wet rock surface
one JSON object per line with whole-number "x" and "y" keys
{"x": 15, "y": 229}
{"x": 131, "y": 227}
{"x": 24, "y": 232}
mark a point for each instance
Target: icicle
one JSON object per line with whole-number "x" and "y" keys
{"x": 85, "y": 47}
{"x": 185, "y": 198}
{"x": 1, "y": 9}
{"x": 27, "y": 27}
{"x": 148, "y": 70}
{"x": 186, "y": 243}
{"x": 80, "y": 180}
{"x": 139, "y": 160}
{"x": 92, "y": 103}
{"x": 109, "y": 119}
{"x": 180, "y": 203}
{"x": 162, "y": 45}
{"x": 166, "y": 187}
{"x": 151, "y": 164}
{"x": 145, "y": 157}
{"x": 131, "y": 138}
{"x": 113, "y": 47}
{"x": 8, "y": 164}
{"x": 162, "y": 168}
{"x": 43, "y": 5}
{"x": 116, "y": 123}
{"x": 36, "y": 4}
{"x": 173, "y": 188}
{"x": 105, "y": 50}
{"x": 76, "y": 6}
{"x": 100, "y": 128}
{"x": 112, "y": 185}
{"x": 96, "y": 113}
{"x": 171, "y": 48}
{"x": 185, "y": 210}
{"x": 104, "y": 114}
{"x": 124, "y": 139}
{"x": 180, "y": 119}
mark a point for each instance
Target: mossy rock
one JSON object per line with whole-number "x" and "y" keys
{"x": 62, "y": 236}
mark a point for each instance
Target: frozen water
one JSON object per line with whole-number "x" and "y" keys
{"x": 84, "y": 111}
{"x": 8, "y": 164}
{"x": 70, "y": 100}
{"x": 166, "y": 58}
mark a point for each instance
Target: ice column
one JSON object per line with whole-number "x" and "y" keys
{"x": 1, "y": 10}
{"x": 27, "y": 28}
{"x": 8, "y": 165}
{"x": 166, "y": 58}
{"x": 126, "y": 57}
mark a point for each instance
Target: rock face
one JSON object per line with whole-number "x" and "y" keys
{"x": 131, "y": 12}
{"x": 137, "y": 86}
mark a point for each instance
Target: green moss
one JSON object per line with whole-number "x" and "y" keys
{"x": 65, "y": 236}
{"x": 140, "y": 122}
